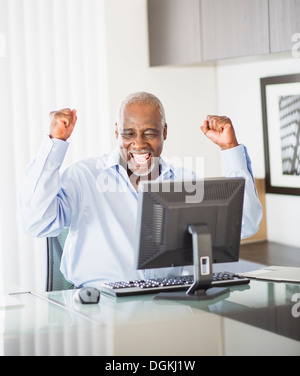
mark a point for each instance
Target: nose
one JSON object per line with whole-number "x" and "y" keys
{"x": 139, "y": 142}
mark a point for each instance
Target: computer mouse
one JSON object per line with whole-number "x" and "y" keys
{"x": 87, "y": 295}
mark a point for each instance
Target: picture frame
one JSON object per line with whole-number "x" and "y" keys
{"x": 280, "y": 98}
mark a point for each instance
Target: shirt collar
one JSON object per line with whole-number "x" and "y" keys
{"x": 167, "y": 170}
{"x": 113, "y": 159}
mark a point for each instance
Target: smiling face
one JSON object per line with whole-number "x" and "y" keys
{"x": 141, "y": 137}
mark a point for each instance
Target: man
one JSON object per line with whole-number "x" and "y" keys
{"x": 97, "y": 198}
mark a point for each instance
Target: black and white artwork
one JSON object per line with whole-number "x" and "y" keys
{"x": 289, "y": 113}
{"x": 281, "y": 125}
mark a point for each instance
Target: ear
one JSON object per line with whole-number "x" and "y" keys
{"x": 165, "y": 131}
{"x": 116, "y": 131}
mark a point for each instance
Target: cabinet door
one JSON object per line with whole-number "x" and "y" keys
{"x": 284, "y": 23}
{"x": 233, "y": 28}
{"x": 174, "y": 31}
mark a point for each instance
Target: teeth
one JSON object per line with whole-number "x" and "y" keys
{"x": 140, "y": 158}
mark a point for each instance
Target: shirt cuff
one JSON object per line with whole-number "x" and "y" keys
{"x": 59, "y": 147}
{"x": 234, "y": 158}
{"x": 52, "y": 152}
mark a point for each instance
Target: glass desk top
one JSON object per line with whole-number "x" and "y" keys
{"x": 274, "y": 307}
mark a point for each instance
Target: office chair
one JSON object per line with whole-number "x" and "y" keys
{"x": 55, "y": 279}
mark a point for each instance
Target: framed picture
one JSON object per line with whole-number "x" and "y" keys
{"x": 281, "y": 124}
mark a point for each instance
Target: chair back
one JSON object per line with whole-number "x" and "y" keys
{"x": 55, "y": 279}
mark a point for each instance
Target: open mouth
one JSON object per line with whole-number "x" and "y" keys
{"x": 141, "y": 162}
{"x": 141, "y": 159}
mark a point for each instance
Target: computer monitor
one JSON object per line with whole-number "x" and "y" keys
{"x": 190, "y": 223}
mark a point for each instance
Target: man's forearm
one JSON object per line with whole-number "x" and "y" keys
{"x": 38, "y": 198}
{"x": 237, "y": 163}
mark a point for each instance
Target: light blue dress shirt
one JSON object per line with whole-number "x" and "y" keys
{"x": 102, "y": 220}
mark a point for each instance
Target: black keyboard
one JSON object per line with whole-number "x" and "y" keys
{"x": 155, "y": 286}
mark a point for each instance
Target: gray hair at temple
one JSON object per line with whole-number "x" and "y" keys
{"x": 140, "y": 97}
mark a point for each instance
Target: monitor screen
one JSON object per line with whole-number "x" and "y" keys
{"x": 189, "y": 223}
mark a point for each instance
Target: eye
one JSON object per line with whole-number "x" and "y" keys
{"x": 150, "y": 134}
{"x": 128, "y": 135}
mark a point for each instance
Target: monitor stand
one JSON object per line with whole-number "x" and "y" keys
{"x": 202, "y": 255}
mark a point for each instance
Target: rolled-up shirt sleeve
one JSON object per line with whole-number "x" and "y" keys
{"x": 238, "y": 164}
{"x": 44, "y": 205}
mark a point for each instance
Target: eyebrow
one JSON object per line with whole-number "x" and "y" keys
{"x": 143, "y": 130}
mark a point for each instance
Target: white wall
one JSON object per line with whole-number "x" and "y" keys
{"x": 188, "y": 93}
{"x": 239, "y": 96}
